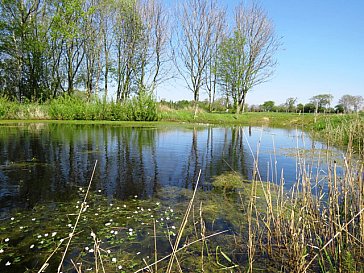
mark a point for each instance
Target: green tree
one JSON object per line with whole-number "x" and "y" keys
{"x": 23, "y": 48}
{"x": 247, "y": 56}
{"x": 268, "y": 106}
{"x": 321, "y": 102}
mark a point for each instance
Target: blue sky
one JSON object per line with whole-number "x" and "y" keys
{"x": 322, "y": 51}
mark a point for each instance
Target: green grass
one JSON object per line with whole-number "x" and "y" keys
{"x": 332, "y": 128}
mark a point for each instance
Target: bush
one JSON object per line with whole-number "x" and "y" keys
{"x": 143, "y": 107}
{"x": 140, "y": 108}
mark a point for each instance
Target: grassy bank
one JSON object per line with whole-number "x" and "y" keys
{"x": 341, "y": 130}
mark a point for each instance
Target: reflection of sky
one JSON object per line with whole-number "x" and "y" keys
{"x": 138, "y": 161}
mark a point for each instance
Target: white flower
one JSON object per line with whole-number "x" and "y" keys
{"x": 96, "y": 214}
{"x": 91, "y": 250}
{"x": 21, "y": 227}
{"x": 1, "y": 250}
{"x": 173, "y": 227}
{"x": 108, "y": 224}
{"x": 8, "y": 263}
{"x": 131, "y": 233}
{"x": 46, "y": 235}
{"x": 171, "y": 210}
{"x": 130, "y": 229}
{"x": 135, "y": 196}
{"x": 111, "y": 204}
{"x": 157, "y": 203}
{"x": 115, "y": 232}
{"x": 80, "y": 189}
{"x": 7, "y": 240}
{"x": 117, "y": 207}
{"x": 32, "y": 246}
{"x": 113, "y": 260}
{"x": 152, "y": 216}
{"x": 108, "y": 251}
{"x": 138, "y": 253}
{"x": 87, "y": 248}
{"x": 162, "y": 219}
{"x": 12, "y": 218}
{"x": 99, "y": 190}
{"x": 120, "y": 267}
{"x": 124, "y": 206}
{"x": 33, "y": 219}
{"x": 54, "y": 234}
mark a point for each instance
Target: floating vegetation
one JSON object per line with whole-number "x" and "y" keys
{"x": 121, "y": 228}
{"x": 120, "y": 235}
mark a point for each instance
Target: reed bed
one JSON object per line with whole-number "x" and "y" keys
{"x": 317, "y": 226}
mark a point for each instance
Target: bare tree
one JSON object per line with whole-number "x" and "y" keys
{"x": 154, "y": 42}
{"x": 211, "y": 75}
{"x": 249, "y": 52}
{"x": 199, "y": 21}
{"x": 351, "y": 103}
{"x": 290, "y": 104}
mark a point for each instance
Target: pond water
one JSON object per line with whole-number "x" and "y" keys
{"x": 44, "y": 162}
{"x": 46, "y": 167}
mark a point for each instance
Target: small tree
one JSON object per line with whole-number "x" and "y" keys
{"x": 321, "y": 102}
{"x": 247, "y": 56}
{"x": 268, "y": 106}
{"x": 200, "y": 24}
{"x": 351, "y": 103}
{"x": 290, "y": 104}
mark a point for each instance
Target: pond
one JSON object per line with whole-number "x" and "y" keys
{"x": 45, "y": 169}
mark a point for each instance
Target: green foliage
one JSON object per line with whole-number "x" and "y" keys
{"x": 143, "y": 107}
{"x": 139, "y": 108}
{"x": 268, "y": 106}
{"x": 12, "y": 110}
{"x": 321, "y": 102}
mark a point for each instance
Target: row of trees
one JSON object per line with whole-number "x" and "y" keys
{"x": 319, "y": 103}
{"x": 58, "y": 46}
{"x": 52, "y": 47}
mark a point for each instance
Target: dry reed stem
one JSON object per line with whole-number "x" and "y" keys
{"x": 333, "y": 238}
{"x": 181, "y": 248}
{"x": 183, "y": 225}
{"x": 77, "y": 220}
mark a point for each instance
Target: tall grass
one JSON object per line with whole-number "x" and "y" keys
{"x": 13, "y": 110}
{"x": 318, "y": 226}
{"x": 142, "y": 107}
{"x": 139, "y": 108}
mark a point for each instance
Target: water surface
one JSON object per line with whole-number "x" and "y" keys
{"x": 45, "y": 162}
